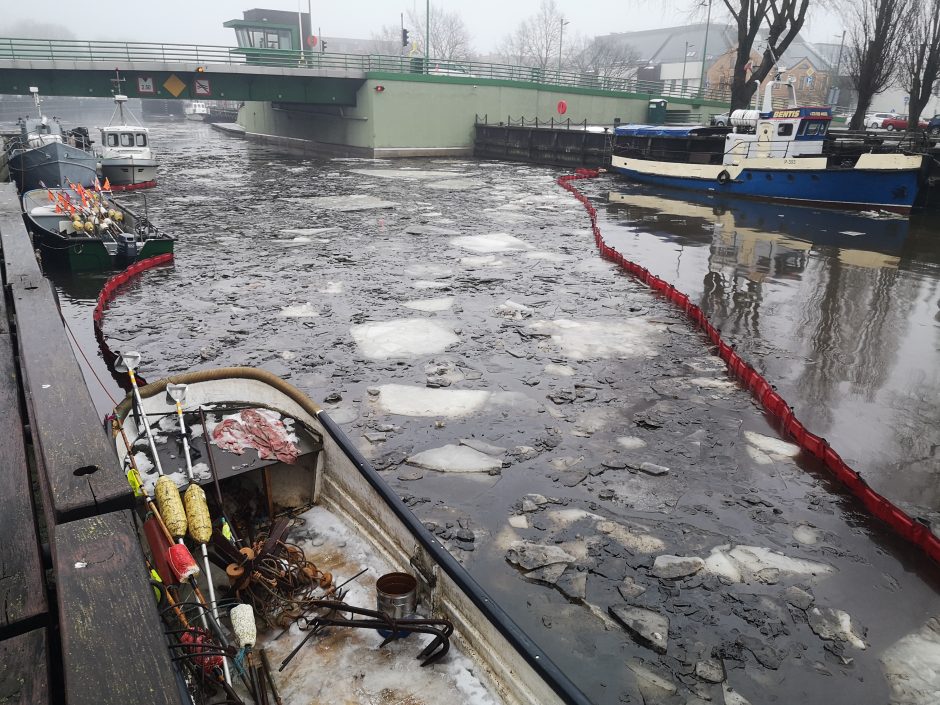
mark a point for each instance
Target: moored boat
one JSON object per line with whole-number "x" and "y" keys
{"x": 127, "y": 159}
{"x": 769, "y": 154}
{"x": 86, "y": 229}
{"x": 280, "y": 474}
{"x": 44, "y": 155}
{"x": 196, "y": 110}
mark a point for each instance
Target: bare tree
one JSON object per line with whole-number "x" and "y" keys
{"x": 876, "y": 28}
{"x": 450, "y": 38}
{"x": 535, "y": 41}
{"x": 386, "y": 41}
{"x": 602, "y": 56}
{"x": 784, "y": 20}
{"x": 919, "y": 66}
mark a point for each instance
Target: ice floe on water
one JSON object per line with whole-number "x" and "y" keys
{"x": 350, "y": 203}
{"x": 912, "y": 666}
{"x": 332, "y": 288}
{"x": 429, "y": 284}
{"x": 482, "y": 261}
{"x": 547, "y": 256}
{"x": 309, "y": 232}
{"x": 491, "y": 242}
{"x": 557, "y": 370}
{"x": 746, "y": 563}
{"x": 412, "y": 174}
{"x": 612, "y": 338}
{"x": 456, "y": 184}
{"x": 406, "y": 400}
{"x": 407, "y": 337}
{"x": 455, "y": 458}
{"x": 304, "y": 310}
{"x": 513, "y": 310}
{"x": 631, "y": 442}
{"x": 430, "y": 305}
{"x": 770, "y": 445}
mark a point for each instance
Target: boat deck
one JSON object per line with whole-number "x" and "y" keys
{"x": 70, "y": 556}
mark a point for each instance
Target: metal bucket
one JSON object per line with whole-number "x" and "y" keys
{"x": 396, "y": 594}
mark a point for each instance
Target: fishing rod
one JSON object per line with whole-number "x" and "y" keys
{"x": 197, "y": 510}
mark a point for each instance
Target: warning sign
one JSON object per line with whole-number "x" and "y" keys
{"x": 201, "y": 87}
{"x": 174, "y": 85}
{"x": 145, "y": 84}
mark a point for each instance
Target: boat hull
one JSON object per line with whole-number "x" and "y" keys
{"x": 785, "y": 180}
{"x": 129, "y": 172}
{"x": 52, "y": 166}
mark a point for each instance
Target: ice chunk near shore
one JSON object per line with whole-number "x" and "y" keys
{"x": 482, "y": 261}
{"x": 912, "y": 666}
{"x": 743, "y": 563}
{"x": 631, "y": 442}
{"x": 343, "y": 204}
{"x": 455, "y": 458}
{"x": 605, "y": 339}
{"x": 513, "y": 310}
{"x": 407, "y": 400}
{"x": 770, "y": 445}
{"x": 491, "y": 242}
{"x": 430, "y": 305}
{"x": 559, "y": 370}
{"x": 408, "y": 337}
{"x": 833, "y": 625}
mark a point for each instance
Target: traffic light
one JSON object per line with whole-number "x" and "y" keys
{"x": 404, "y": 37}
{"x": 322, "y": 45}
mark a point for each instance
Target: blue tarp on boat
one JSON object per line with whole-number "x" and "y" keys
{"x": 657, "y": 130}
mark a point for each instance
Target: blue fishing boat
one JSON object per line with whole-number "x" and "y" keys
{"x": 776, "y": 153}
{"x": 44, "y": 155}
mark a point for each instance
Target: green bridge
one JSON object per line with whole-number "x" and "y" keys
{"x": 349, "y": 104}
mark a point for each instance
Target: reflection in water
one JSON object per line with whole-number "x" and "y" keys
{"x": 837, "y": 309}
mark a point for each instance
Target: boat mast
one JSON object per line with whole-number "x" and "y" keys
{"x": 35, "y": 91}
{"x": 118, "y": 97}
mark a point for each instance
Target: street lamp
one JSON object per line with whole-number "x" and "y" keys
{"x": 701, "y": 78}
{"x": 561, "y": 36}
{"x": 684, "y": 59}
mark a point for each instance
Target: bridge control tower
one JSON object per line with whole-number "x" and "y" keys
{"x": 262, "y": 34}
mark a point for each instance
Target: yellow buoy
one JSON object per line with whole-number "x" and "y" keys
{"x": 89, "y": 226}
{"x": 197, "y": 514}
{"x": 118, "y": 216}
{"x": 77, "y": 224}
{"x": 168, "y": 499}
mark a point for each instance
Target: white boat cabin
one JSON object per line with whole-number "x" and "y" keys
{"x": 123, "y": 140}
{"x": 785, "y": 132}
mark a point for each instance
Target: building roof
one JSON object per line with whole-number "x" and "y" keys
{"x": 667, "y": 45}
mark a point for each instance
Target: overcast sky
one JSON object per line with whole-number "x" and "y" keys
{"x": 200, "y": 21}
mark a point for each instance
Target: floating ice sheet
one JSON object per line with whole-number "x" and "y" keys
{"x": 491, "y": 242}
{"x": 307, "y": 232}
{"x": 745, "y": 562}
{"x": 353, "y": 202}
{"x": 482, "y": 261}
{"x": 304, "y": 310}
{"x": 456, "y": 184}
{"x": 411, "y": 174}
{"x": 771, "y": 445}
{"x": 422, "y": 401}
{"x": 912, "y": 666}
{"x": 455, "y": 458}
{"x": 606, "y": 339}
{"x": 408, "y": 337}
{"x": 430, "y": 305}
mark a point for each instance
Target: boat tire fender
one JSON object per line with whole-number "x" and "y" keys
{"x": 723, "y": 176}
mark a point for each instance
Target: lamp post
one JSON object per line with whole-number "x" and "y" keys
{"x": 685, "y": 58}
{"x": 427, "y": 34}
{"x": 834, "y": 84}
{"x": 701, "y": 78}
{"x": 561, "y": 36}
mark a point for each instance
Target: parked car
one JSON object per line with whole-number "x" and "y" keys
{"x": 933, "y": 125}
{"x": 899, "y": 122}
{"x": 874, "y": 120}
{"x": 722, "y": 120}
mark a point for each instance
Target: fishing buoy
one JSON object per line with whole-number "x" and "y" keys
{"x": 243, "y": 624}
{"x": 89, "y": 226}
{"x": 77, "y": 224}
{"x": 118, "y": 216}
{"x": 171, "y": 506}
{"x": 181, "y": 562}
{"x": 197, "y": 514}
{"x": 111, "y": 213}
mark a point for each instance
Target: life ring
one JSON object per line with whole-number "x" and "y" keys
{"x": 723, "y": 176}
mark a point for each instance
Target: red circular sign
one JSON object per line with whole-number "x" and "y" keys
{"x": 562, "y": 107}
{"x": 311, "y": 41}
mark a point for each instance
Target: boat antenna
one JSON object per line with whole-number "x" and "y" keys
{"x": 119, "y": 97}
{"x": 35, "y": 91}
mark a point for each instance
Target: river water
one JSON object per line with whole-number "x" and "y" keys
{"x": 427, "y": 303}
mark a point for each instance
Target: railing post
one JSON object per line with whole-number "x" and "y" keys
{"x": 163, "y": 52}
{"x": 51, "y": 51}
{"x": 127, "y": 50}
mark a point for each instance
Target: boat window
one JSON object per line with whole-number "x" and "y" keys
{"x": 141, "y": 139}
{"x": 112, "y": 139}
{"x": 785, "y": 129}
{"x": 823, "y": 127}
{"x": 127, "y": 139}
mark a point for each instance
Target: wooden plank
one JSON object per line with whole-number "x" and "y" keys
{"x": 22, "y": 587}
{"x": 24, "y": 669}
{"x": 19, "y": 258}
{"x": 113, "y": 647}
{"x": 82, "y": 474}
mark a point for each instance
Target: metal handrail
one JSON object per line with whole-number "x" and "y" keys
{"x": 201, "y": 55}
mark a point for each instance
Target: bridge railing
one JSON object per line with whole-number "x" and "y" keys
{"x": 118, "y": 53}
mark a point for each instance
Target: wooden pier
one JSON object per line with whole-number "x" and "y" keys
{"x": 79, "y": 624}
